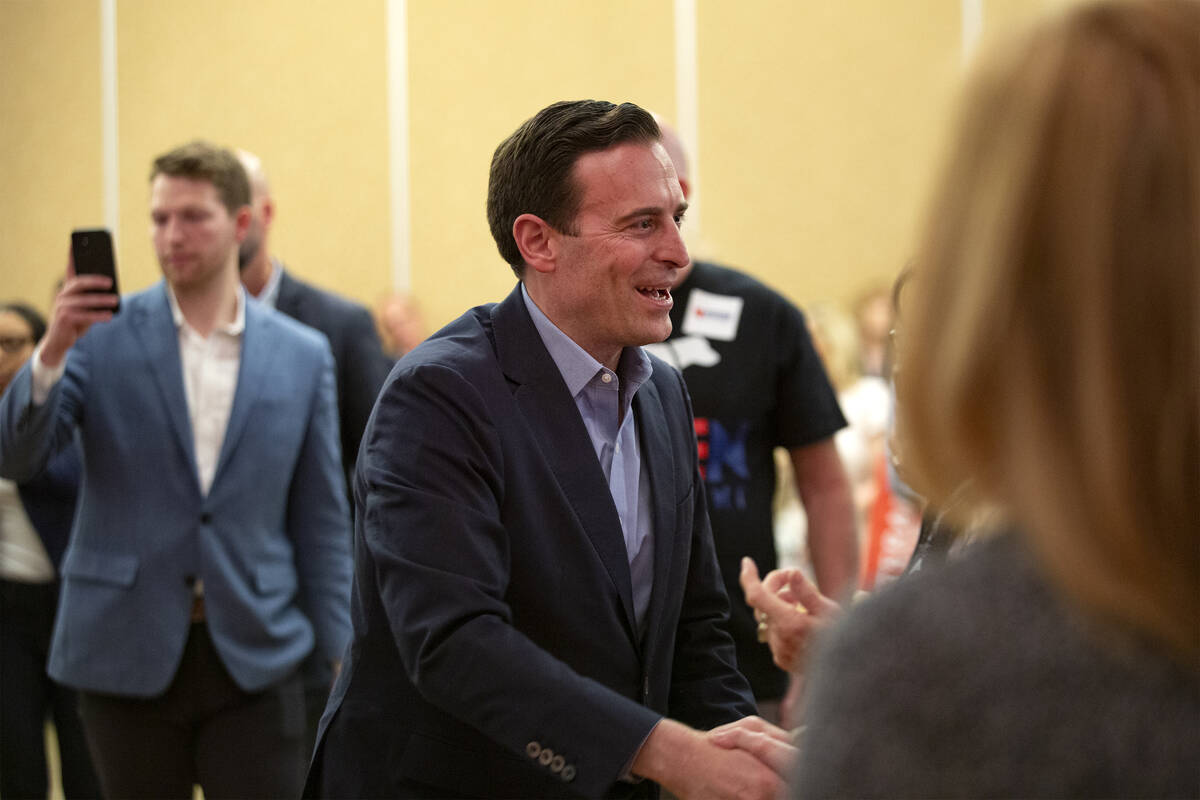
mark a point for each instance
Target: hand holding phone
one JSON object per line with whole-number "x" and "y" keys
{"x": 88, "y": 295}
{"x": 92, "y": 253}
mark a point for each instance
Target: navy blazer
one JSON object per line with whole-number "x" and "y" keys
{"x": 495, "y": 651}
{"x": 269, "y": 540}
{"x": 358, "y": 356}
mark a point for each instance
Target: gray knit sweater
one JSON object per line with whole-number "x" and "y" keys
{"x": 975, "y": 680}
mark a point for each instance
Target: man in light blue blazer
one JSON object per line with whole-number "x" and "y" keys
{"x": 210, "y": 552}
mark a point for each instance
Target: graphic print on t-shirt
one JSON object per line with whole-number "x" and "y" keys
{"x": 684, "y": 352}
{"x": 723, "y": 463}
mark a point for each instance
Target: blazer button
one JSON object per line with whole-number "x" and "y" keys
{"x": 205, "y": 518}
{"x": 546, "y": 756}
{"x": 533, "y": 749}
{"x": 568, "y": 773}
{"x": 189, "y": 581}
{"x": 557, "y": 764}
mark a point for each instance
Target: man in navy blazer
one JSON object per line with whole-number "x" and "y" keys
{"x": 536, "y": 590}
{"x": 210, "y": 552}
{"x": 358, "y": 358}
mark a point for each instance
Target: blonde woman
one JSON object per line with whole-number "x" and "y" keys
{"x": 1051, "y": 358}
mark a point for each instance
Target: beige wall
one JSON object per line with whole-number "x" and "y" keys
{"x": 302, "y": 84}
{"x": 50, "y": 175}
{"x": 818, "y": 129}
{"x": 818, "y": 125}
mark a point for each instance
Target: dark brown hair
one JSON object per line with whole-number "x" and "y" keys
{"x": 200, "y": 160}
{"x": 35, "y": 321}
{"x": 531, "y": 169}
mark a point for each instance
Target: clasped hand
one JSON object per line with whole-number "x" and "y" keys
{"x": 744, "y": 759}
{"x": 768, "y": 743}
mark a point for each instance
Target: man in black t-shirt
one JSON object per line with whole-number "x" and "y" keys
{"x": 756, "y": 384}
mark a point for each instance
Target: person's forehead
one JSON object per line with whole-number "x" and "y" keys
{"x": 631, "y": 172}
{"x": 182, "y": 187}
{"x": 13, "y": 324}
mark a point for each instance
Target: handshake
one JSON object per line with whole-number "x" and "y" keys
{"x": 747, "y": 758}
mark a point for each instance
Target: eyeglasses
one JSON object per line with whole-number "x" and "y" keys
{"x": 11, "y": 344}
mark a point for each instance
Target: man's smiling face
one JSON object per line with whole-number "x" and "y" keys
{"x": 611, "y": 287}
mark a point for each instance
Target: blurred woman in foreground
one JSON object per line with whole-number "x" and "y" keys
{"x": 1050, "y": 362}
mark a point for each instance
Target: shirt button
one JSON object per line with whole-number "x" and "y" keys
{"x": 606, "y": 377}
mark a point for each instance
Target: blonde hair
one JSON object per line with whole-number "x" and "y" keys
{"x": 1051, "y": 352}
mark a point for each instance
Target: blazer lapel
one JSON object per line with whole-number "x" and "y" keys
{"x": 657, "y": 462}
{"x": 258, "y": 347}
{"x": 555, "y": 422}
{"x": 159, "y": 338}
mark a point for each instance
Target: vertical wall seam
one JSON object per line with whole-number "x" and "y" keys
{"x": 109, "y": 144}
{"x": 398, "y": 143}
{"x": 687, "y": 102}
{"x": 972, "y": 26}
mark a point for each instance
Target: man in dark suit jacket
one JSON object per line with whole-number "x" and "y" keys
{"x": 357, "y": 353}
{"x": 210, "y": 552}
{"x": 536, "y": 588}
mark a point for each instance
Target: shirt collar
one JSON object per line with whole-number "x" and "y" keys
{"x": 269, "y": 296}
{"x": 234, "y": 328}
{"x": 576, "y": 365}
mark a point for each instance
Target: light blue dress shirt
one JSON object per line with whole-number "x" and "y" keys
{"x": 604, "y": 400}
{"x": 269, "y": 295}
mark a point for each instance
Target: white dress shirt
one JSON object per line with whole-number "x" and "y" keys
{"x": 22, "y": 556}
{"x": 210, "y": 369}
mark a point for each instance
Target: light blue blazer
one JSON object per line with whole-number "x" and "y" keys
{"x": 271, "y": 539}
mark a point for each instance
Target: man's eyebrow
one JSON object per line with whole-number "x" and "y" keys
{"x": 650, "y": 211}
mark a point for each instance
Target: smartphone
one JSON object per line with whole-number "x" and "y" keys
{"x": 92, "y": 251}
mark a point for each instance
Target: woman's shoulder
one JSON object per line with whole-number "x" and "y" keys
{"x": 978, "y": 678}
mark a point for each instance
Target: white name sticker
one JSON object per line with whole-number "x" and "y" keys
{"x": 715, "y": 316}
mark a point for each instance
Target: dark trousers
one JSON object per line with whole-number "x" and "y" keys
{"x": 28, "y": 696}
{"x": 203, "y": 730}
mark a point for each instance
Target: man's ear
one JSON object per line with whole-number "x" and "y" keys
{"x": 537, "y": 241}
{"x": 268, "y": 212}
{"x": 241, "y": 222}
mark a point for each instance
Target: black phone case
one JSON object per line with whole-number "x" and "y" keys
{"x": 92, "y": 251}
